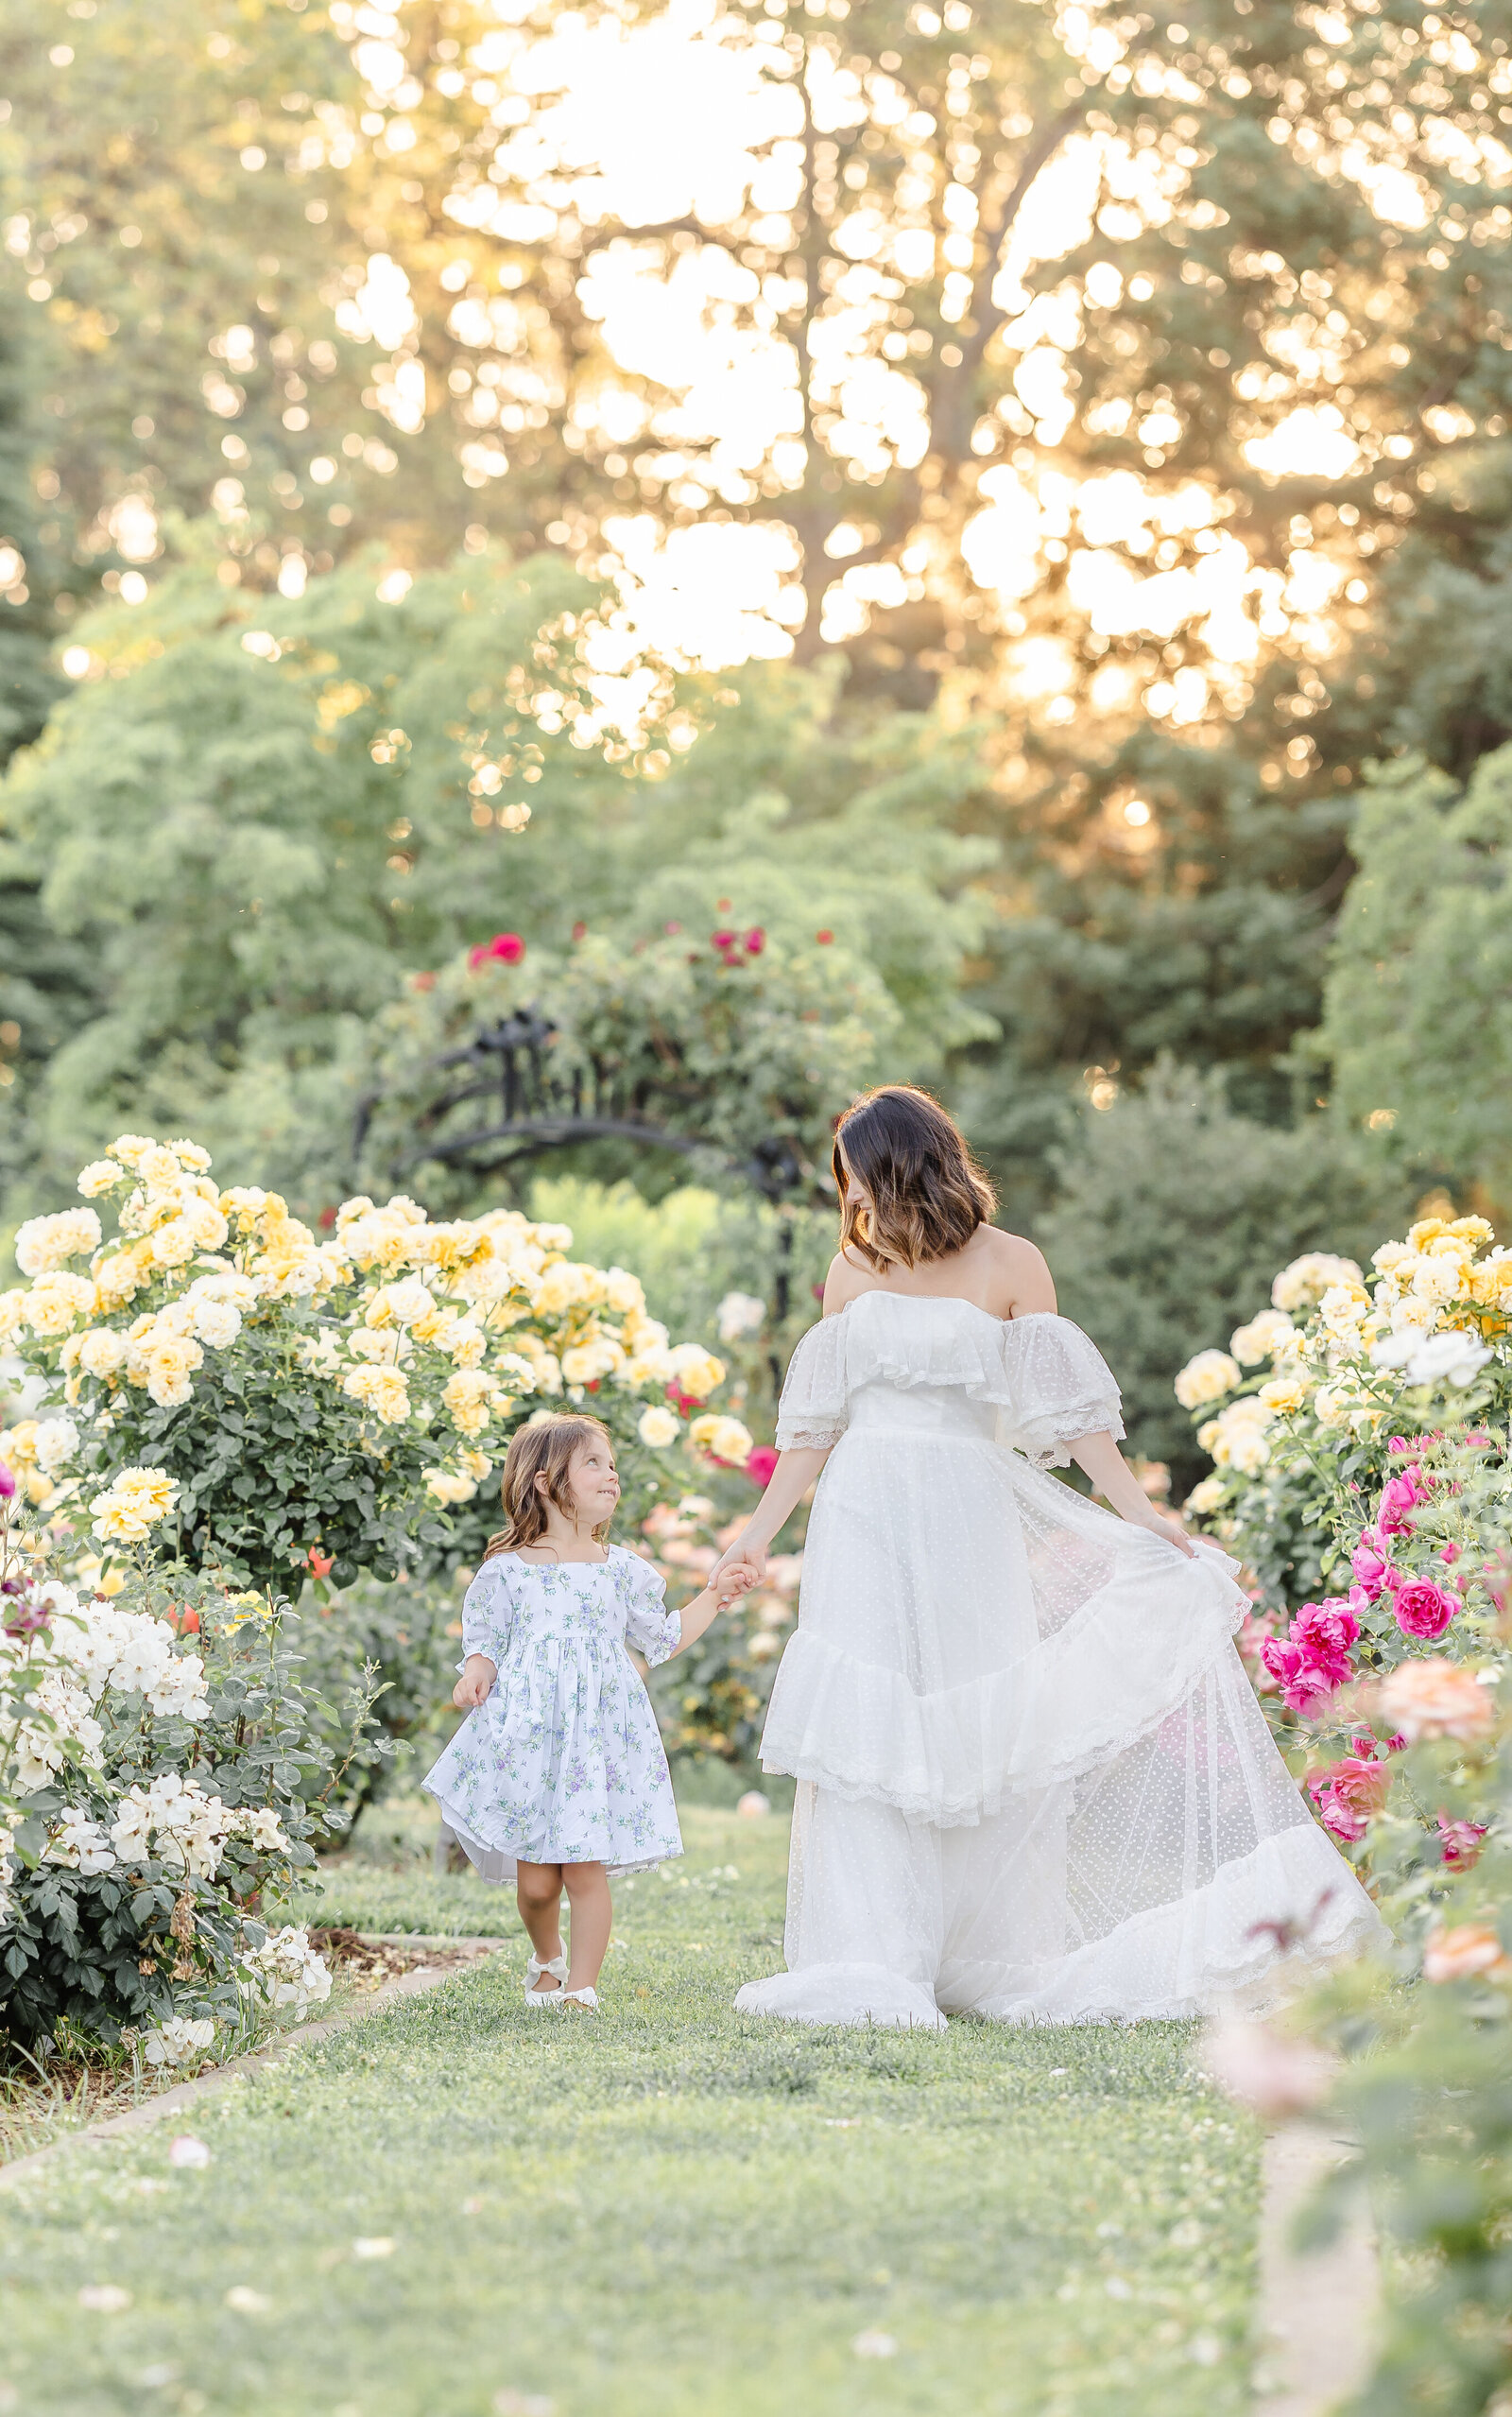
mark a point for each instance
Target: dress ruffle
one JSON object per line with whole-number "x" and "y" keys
{"x": 1063, "y": 1705}
{"x": 1048, "y": 1381}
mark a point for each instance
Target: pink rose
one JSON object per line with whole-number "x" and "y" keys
{"x": 505, "y": 948}
{"x": 1341, "y": 1822}
{"x": 1371, "y": 1565}
{"x": 1327, "y": 1631}
{"x": 1460, "y": 1843}
{"x": 1424, "y": 1608}
{"x": 721, "y": 940}
{"x": 755, "y": 940}
{"x": 1304, "y": 1683}
{"x": 8, "y": 1484}
{"x": 761, "y": 1464}
{"x": 1400, "y": 1498}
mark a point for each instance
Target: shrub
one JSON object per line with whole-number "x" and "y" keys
{"x": 166, "y": 1772}
{"x": 332, "y": 1405}
{"x": 1172, "y": 1214}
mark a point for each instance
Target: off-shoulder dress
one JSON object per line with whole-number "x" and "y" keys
{"x": 1034, "y": 1780}
{"x": 564, "y": 1762}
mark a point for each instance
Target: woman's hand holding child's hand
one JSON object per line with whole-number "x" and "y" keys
{"x": 730, "y": 1583}
{"x": 475, "y": 1684}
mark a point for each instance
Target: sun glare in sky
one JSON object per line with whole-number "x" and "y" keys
{"x": 671, "y": 120}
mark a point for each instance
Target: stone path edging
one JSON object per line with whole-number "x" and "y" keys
{"x": 185, "y": 2094}
{"x": 1317, "y": 2309}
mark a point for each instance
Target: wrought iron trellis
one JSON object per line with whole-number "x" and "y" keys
{"x": 526, "y": 1109}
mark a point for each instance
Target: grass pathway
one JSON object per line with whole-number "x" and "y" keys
{"x": 665, "y": 2212}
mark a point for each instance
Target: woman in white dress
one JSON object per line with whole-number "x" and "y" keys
{"x": 1034, "y": 1781}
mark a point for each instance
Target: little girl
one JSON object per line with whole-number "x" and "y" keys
{"x": 558, "y": 1776}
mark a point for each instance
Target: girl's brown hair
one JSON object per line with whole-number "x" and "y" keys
{"x": 926, "y": 1194}
{"x": 542, "y": 1451}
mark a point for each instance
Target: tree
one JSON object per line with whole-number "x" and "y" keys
{"x": 1172, "y": 1218}
{"x": 1417, "y": 1023}
{"x": 256, "y": 814}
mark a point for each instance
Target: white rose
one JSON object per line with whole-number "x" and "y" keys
{"x": 658, "y": 1426}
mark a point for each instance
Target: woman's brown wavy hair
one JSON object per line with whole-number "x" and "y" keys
{"x": 927, "y": 1195}
{"x": 542, "y": 1451}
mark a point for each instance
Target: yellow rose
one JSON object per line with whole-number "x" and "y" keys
{"x": 101, "y": 1352}
{"x": 1283, "y": 1394}
{"x": 658, "y": 1426}
{"x": 382, "y": 1390}
{"x": 1207, "y": 1378}
{"x": 173, "y": 1244}
{"x": 100, "y": 1175}
{"x": 722, "y": 1439}
{"x": 468, "y": 1396}
{"x": 694, "y": 1370}
{"x": 170, "y": 1364}
{"x": 450, "y": 1485}
{"x": 136, "y": 1500}
{"x": 43, "y": 1243}
{"x": 12, "y": 1312}
{"x": 587, "y": 1363}
{"x": 56, "y": 1303}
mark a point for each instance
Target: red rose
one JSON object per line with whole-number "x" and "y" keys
{"x": 824, "y": 939}
{"x": 721, "y": 940}
{"x": 579, "y": 931}
{"x": 755, "y": 940}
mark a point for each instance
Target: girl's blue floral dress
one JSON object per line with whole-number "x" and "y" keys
{"x": 564, "y": 1762}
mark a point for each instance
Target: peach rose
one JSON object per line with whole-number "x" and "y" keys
{"x": 1462, "y": 1953}
{"x": 1436, "y": 1699}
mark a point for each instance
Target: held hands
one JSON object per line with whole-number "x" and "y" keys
{"x": 475, "y": 1684}
{"x": 744, "y": 1563}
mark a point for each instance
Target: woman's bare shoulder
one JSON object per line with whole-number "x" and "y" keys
{"x": 846, "y": 1277}
{"x": 1022, "y": 1282}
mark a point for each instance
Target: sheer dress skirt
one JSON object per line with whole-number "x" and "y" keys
{"x": 1034, "y": 1782}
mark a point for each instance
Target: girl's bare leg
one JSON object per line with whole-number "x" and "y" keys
{"x": 593, "y": 1909}
{"x": 538, "y": 1894}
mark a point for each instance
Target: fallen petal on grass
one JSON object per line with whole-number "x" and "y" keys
{"x": 106, "y": 2299}
{"x": 245, "y": 2301}
{"x": 375, "y": 2245}
{"x": 874, "y": 2345}
{"x": 188, "y": 2152}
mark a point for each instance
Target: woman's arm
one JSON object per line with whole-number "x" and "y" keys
{"x": 1122, "y": 1491}
{"x": 795, "y": 1471}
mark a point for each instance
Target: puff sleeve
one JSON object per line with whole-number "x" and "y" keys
{"x": 487, "y": 1612}
{"x": 649, "y": 1627}
{"x": 1059, "y": 1387}
{"x": 812, "y": 1414}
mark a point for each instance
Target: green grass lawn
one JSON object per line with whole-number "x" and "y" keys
{"x": 664, "y": 2212}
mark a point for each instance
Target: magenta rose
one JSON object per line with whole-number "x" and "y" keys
{"x": 1400, "y": 1498}
{"x": 1304, "y": 1682}
{"x": 1371, "y": 1564}
{"x": 761, "y": 1464}
{"x": 1424, "y": 1608}
{"x": 1327, "y": 1631}
{"x": 8, "y": 1484}
{"x": 505, "y": 948}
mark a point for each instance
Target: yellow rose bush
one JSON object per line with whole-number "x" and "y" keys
{"x": 335, "y": 1401}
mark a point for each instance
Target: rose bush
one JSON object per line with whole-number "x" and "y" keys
{"x": 331, "y": 1404}
{"x": 163, "y": 1770}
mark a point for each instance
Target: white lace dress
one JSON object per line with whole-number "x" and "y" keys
{"x": 564, "y": 1762}
{"x": 1034, "y": 1780}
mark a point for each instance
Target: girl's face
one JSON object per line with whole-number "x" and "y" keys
{"x": 592, "y": 1483}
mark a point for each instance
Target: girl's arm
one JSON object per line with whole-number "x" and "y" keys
{"x": 475, "y": 1684}
{"x": 705, "y": 1608}
{"x": 1122, "y": 1491}
{"x": 795, "y": 1471}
